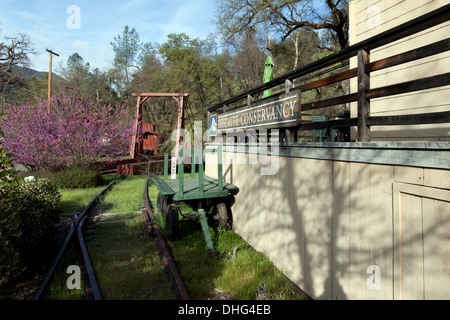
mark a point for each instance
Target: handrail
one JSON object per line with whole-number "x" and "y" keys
{"x": 364, "y": 93}
{"x": 411, "y": 27}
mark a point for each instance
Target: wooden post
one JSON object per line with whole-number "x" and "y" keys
{"x": 249, "y": 99}
{"x": 219, "y": 167}
{"x": 289, "y": 85}
{"x": 193, "y": 162}
{"x": 49, "y": 93}
{"x": 181, "y": 171}
{"x": 135, "y": 128}
{"x": 200, "y": 173}
{"x": 363, "y": 102}
{"x": 180, "y": 124}
{"x": 166, "y": 166}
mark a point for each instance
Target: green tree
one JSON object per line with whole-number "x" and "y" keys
{"x": 77, "y": 68}
{"x": 76, "y": 73}
{"x": 248, "y": 62}
{"x": 33, "y": 88}
{"x": 126, "y": 48}
{"x": 297, "y": 51}
{"x": 183, "y": 60}
{"x": 89, "y": 84}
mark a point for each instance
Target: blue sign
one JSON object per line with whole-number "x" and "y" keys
{"x": 213, "y": 125}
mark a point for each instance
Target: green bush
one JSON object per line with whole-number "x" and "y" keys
{"x": 38, "y": 215}
{"x": 9, "y": 221}
{"x": 28, "y": 216}
{"x": 76, "y": 178}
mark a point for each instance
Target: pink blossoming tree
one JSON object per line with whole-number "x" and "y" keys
{"x": 74, "y": 133}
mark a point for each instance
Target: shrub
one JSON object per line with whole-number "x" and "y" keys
{"x": 28, "y": 213}
{"x": 76, "y": 178}
{"x": 38, "y": 215}
{"x": 9, "y": 221}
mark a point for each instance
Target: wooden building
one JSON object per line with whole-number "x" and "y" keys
{"x": 368, "y": 219}
{"x": 372, "y": 17}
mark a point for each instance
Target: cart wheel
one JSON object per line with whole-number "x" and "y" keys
{"x": 172, "y": 221}
{"x": 223, "y": 215}
{"x": 162, "y": 204}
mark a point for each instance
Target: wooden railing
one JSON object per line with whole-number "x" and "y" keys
{"x": 362, "y": 72}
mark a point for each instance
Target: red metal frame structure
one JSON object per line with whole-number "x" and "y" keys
{"x": 150, "y": 139}
{"x": 141, "y": 98}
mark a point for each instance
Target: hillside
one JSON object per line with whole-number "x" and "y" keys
{"x": 26, "y": 73}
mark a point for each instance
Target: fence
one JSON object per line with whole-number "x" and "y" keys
{"x": 365, "y": 67}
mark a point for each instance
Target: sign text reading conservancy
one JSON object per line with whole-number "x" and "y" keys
{"x": 272, "y": 114}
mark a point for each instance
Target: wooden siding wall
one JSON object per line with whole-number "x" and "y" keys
{"x": 328, "y": 224}
{"x": 371, "y": 17}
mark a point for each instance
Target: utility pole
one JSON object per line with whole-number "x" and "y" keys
{"x": 51, "y": 53}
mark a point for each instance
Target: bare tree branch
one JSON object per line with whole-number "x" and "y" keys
{"x": 284, "y": 17}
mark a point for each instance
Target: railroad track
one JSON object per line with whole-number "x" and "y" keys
{"x": 114, "y": 167}
{"x": 76, "y": 230}
{"x": 166, "y": 258}
{"x": 75, "y": 239}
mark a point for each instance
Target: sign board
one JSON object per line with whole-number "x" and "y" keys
{"x": 173, "y": 169}
{"x": 213, "y": 125}
{"x": 279, "y": 112}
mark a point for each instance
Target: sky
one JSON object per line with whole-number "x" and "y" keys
{"x": 89, "y": 26}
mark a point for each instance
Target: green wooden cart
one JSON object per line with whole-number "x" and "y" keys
{"x": 212, "y": 198}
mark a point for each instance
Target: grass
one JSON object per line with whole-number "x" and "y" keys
{"x": 128, "y": 263}
{"x": 125, "y": 260}
{"x": 77, "y": 199}
{"x": 215, "y": 277}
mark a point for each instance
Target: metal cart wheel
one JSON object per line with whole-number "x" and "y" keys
{"x": 172, "y": 221}
{"x": 223, "y": 216}
{"x": 162, "y": 204}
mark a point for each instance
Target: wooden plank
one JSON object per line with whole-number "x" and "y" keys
{"x": 411, "y": 154}
{"x": 408, "y": 254}
{"x": 405, "y": 87}
{"x": 191, "y": 188}
{"x": 166, "y": 166}
{"x": 380, "y": 230}
{"x": 343, "y": 123}
{"x": 421, "y": 223}
{"x": 359, "y": 242}
{"x": 329, "y": 80}
{"x": 436, "y": 232}
{"x": 410, "y": 119}
{"x": 163, "y": 187}
{"x": 160, "y": 94}
{"x": 135, "y": 129}
{"x": 437, "y": 178}
{"x": 330, "y": 102}
{"x": 409, "y": 175}
{"x": 419, "y": 53}
{"x": 341, "y": 187}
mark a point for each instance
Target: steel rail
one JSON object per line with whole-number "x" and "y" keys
{"x": 93, "y": 289}
{"x": 166, "y": 257}
{"x": 75, "y": 224}
{"x": 55, "y": 263}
